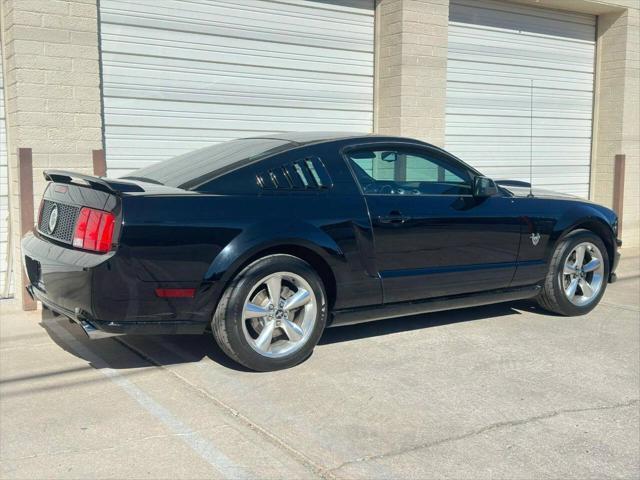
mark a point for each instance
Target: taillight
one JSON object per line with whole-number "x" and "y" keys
{"x": 94, "y": 230}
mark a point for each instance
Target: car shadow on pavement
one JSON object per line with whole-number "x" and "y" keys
{"x": 165, "y": 350}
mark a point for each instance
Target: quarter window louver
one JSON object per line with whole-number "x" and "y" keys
{"x": 304, "y": 174}
{"x": 312, "y": 169}
{"x": 301, "y": 174}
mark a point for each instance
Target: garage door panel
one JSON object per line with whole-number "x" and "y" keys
{"x": 525, "y": 55}
{"x": 571, "y": 84}
{"x": 130, "y": 67}
{"x": 195, "y": 46}
{"x": 308, "y": 32}
{"x": 504, "y": 60}
{"x": 226, "y": 95}
{"x": 245, "y": 95}
{"x": 179, "y": 75}
{"x": 554, "y": 107}
{"x": 234, "y": 51}
{"x": 519, "y": 90}
{"x": 519, "y": 67}
{"x": 488, "y": 125}
{"x": 496, "y": 51}
{"x": 172, "y": 133}
{"x": 507, "y": 114}
{"x": 502, "y": 75}
{"x": 152, "y": 143}
{"x": 254, "y": 19}
{"x": 221, "y": 110}
{"x": 183, "y": 78}
{"x": 535, "y": 45}
{"x": 509, "y": 154}
{"x": 261, "y": 126}
{"x": 237, "y": 122}
{"x": 506, "y": 16}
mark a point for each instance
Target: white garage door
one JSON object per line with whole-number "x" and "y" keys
{"x": 179, "y": 75}
{"x": 495, "y": 50}
{"x": 4, "y": 191}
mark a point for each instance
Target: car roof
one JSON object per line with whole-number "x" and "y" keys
{"x": 192, "y": 169}
{"x": 301, "y": 138}
{"x": 304, "y": 138}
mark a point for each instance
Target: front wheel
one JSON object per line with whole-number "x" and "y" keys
{"x": 272, "y": 315}
{"x": 577, "y": 275}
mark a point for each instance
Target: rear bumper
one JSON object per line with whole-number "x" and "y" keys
{"x": 89, "y": 326}
{"x": 96, "y": 329}
{"x": 101, "y": 294}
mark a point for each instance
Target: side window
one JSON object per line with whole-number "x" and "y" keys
{"x": 398, "y": 172}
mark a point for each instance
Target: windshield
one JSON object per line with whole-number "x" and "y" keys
{"x": 190, "y": 170}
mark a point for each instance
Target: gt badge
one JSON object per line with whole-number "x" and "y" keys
{"x": 535, "y": 238}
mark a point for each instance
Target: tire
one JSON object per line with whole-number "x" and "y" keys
{"x": 294, "y": 332}
{"x": 554, "y": 296}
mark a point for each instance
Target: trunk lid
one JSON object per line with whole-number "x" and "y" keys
{"x": 68, "y": 192}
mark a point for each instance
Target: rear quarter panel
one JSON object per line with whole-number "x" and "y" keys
{"x": 204, "y": 240}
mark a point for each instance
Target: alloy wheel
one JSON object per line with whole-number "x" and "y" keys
{"x": 279, "y": 314}
{"x": 582, "y": 277}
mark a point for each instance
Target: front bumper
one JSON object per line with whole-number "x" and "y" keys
{"x": 616, "y": 261}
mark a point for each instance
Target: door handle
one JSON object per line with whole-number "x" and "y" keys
{"x": 394, "y": 218}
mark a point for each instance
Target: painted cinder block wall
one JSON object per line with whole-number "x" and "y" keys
{"x": 411, "y": 68}
{"x": 53, "y": 104}
{"x": 51, "y": 72}
{"x": 617, "y": 115}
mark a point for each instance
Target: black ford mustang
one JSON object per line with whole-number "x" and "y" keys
{"x": 267, "y": 241}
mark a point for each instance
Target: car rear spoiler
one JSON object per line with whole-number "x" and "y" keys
{"x": 115, "y": 187}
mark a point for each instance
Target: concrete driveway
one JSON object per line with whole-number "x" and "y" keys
{"x": 505, "y": 391}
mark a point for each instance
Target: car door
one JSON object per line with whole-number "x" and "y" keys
{"x": 432, "y": 237}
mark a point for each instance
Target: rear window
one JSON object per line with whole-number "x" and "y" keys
{"x": 190, "y": 170}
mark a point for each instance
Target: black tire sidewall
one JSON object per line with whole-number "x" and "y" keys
{"x": 568, "y": 244}
{"x": 241, "y": 289}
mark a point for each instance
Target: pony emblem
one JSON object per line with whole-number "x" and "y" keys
{"x": 535, "y": 238}
{"x": 53, "y": 219}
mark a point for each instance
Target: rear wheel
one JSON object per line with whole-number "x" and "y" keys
{"x": 272, "y": 314}
{"x": 577, "y": 275}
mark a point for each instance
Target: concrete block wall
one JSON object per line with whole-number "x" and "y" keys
{"x": 52, "y": 82}
{"x": 617, "y": 115}
{"x": 411, "y": 68}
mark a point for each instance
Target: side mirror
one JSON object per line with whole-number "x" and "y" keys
{"x": 389, "y": 156}
{"x": 484, "y": 187}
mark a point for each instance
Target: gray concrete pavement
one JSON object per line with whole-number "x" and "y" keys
{"x": 504, "y": 391}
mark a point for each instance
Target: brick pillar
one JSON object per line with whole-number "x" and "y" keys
{"x": 411, "y": 68}
{"x": 52, "y": 92}
{"x": 617, "y": 112}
